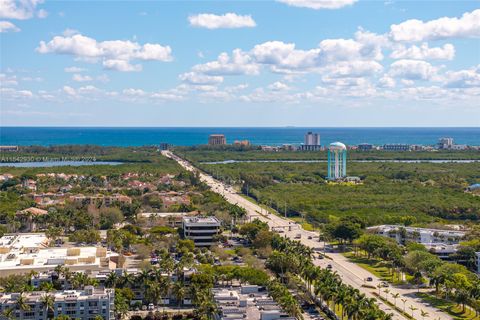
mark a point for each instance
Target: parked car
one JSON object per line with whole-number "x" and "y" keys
{"x": 329, "y": 266}
{"x": 369, "y": 279}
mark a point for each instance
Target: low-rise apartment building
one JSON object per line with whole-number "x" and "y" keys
{"x": 202, "y": 230}
{"x": 77, "y": 304}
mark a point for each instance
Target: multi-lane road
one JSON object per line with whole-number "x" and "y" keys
{"x": 350, "y": 273}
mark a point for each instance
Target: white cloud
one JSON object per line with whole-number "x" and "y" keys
{"x": 81, "y": 78}
{"x": 228, "y": 20}
{"x": 468, "y": 26}
{"x": 73, "y": 69}
{"x": 412, "y": 70}
{"x": 353, "y": 69}
{"x": 134, "y": 92}
{"x": 121, "y": 65}
{"x": 386, "y": 82}
{"x": 239, "y": 63}
{"x": 116, "y": 54}
{"x": 8, "y": 80}
{"x": 469, "y": 78}
{"x": 200, "y": 79}
{"x": 6, "y": 26}
{"x": 12, "y": 94}
{"x": 319, "y": 4}
{"x": 447, "y": 52}
{"x": 278, "y": 86}
{"x": 69, "y": 90}
{"x": 20, "y": 10}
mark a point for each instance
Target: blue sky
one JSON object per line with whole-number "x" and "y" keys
{"x": 240, "y": 63}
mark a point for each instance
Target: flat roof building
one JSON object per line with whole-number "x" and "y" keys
{"x": 202, "y": 230}
{"x": 419, "y": 235}
{"x": 217, "y": 139}
{"x": 77, "y": 304}
{"x": 22, "y": 253}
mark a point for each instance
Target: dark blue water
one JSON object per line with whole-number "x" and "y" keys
{"x": 46, "y": 136}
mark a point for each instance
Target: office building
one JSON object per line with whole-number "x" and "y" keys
{"x": 217, "y": 139}
{"x": 164, "y": 146}
{"x": 77, "y": 304}
{"x": 202, "y": 230}
{"x": 337, "y": 161}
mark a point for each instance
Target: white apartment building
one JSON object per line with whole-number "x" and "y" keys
{"x": 202, "y": 230}
{"x": 77, "y": 304}
{"x": 419, "y": 235}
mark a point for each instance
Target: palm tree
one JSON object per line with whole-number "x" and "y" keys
{"x": 48, "y": 302}
{"x": 395, "y": 297}
{"x": 404, "y": 301}
{"x": 112, "y": 279}
{"x": 412, "y": 308}
{"x": 387, "y": 291}
{"x": 179, "y": 291}
{"x": 21, "y": 303}
{"x": 424, "y": 314}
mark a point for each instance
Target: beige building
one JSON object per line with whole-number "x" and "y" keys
{"x": 217, "y": 139}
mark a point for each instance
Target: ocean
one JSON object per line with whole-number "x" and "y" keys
{"x": 117, "y": 136}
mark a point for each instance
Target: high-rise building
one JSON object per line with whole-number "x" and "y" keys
{"x": 217, "y": 139}
{"x": 337, "y": 161}
{"x": 445, "y": 143}
{"x": 312, "y": 142}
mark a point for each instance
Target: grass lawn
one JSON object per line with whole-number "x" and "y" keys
{"x": 449, "y": 307}
{"x": 374, "y": 266}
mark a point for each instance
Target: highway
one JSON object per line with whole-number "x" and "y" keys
{"x": 350, "y": 273}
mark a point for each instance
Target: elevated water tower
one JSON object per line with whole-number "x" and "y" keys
{"x": 337, "y": 161}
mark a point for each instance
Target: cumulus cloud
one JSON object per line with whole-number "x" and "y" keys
{"x": 69, "y": 91}
{"x": 278, "y": 86}
{"x": 386, "y": 82}
{"x": 467, "y": 26}
{"x": 21, "y": 10}
{"x": 319, "y": 4}
{"x": 81, "y": 78}
{"x": 239, "y": 63}
{"x": 6, "y": 26}
{"x": 116, "y": 54}
{"x": 447, "y": 52}
{"x": 200, "y": 79}
{"x": 412, "y": 70}
{"x": 228, "y": 21}
{"x": 469, "y": 78}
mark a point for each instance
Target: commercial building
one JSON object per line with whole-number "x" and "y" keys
{"x": 247, "y": 302}
{"x": 396, "y": 147}
{"x": 217, "y": 139}
{"x": 202, "y": 230}
{"x": 337, "y": 161}
{"x": 77, "y": 304}
{"x": 22, "y": 253}
{"x": 420, "y": 235}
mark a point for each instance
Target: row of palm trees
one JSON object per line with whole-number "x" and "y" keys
{"x": 324, "y": 284}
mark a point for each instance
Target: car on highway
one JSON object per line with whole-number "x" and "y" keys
{"x": 369, "y": 279}
{"x": 309, "y": 237}
{"x": 384, "y": 284}
{"x": 329, "y": 266}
